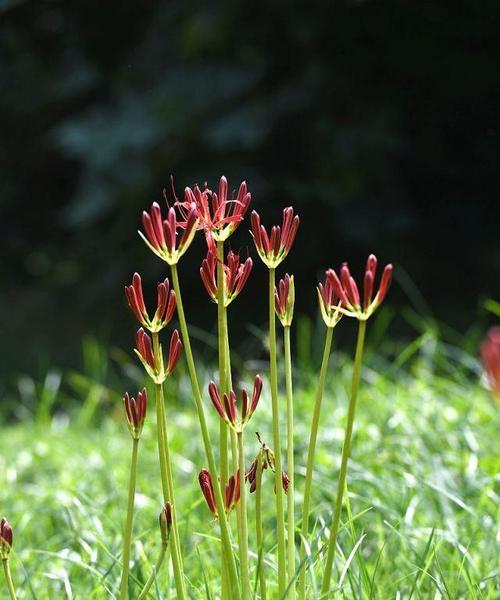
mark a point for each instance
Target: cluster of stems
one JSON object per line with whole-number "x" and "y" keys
{"x": 226, "y": 481}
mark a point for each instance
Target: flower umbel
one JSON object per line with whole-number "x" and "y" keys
{"x": 232, "y": 491}
{"x": 135, "y": 412}
{"x": 329, "y": 302}
{"x": 236, "y": 275}
{"x": 6, "y": 539}
{"x": 227, "y": 409}
{"x": 218, "y": 216}
{"x": 154, "y": 364}
{"x": 161, "y": 235}
{"x": 274, "y": 248}
{"x": 165, "y": 306}
{"x": 347, "y": 290}
{"x": 490, "y": 357}
{"x": 284, "y": 300}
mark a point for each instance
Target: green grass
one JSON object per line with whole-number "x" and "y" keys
{"x": 422, "y": 515}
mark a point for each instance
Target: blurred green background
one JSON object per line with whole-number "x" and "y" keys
{"x": 377, "y": 121}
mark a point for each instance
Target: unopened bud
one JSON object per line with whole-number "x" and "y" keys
{"x": 166, "y": 522}
{"x": 6, "y": 539}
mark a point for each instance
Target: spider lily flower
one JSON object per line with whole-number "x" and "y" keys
{"x": 226, "y": 407}
{"x": 231, "y": 495}
{"x": 284, "y": 300}
{"x": 345, "y": 286}
{"x": 165, "y": 523}
{"x": 329, "y": 302}
{"x": 490, "y": 357}
{"x": 218, "y": 216}
{"x": 135, "y": 412}
{"x": 6, "y": 539}
{"x": 154, "y": 365}
{"x": 161, "y": 235}
{"x": 236, "y": 275}
{"x": 274, "y": 248}
{"x": 165, "y": 306}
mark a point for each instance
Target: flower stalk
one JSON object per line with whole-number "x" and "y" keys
{"x": 167, "y": 475}
{"x": 280, "y": 518}
{"x": 290, "y": 465}
{"x": 127, "y": 538}
{"x": 311, "y": 452}
{"x": 258, "y": 526}
{"x": 356, "y": 375}
{"x": 224, "y": 527}
{"x": 244, "y": 564}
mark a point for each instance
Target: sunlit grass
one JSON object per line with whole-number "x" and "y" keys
{"x": 422, "y": 514}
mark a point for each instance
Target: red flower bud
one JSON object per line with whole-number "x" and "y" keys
{"x": 135, "y": 411}
{"x": 6, "y": 539}
{"x": 175, "y": 351}
{"x": 284, "y": 300}
{"x": 165, "y": 520}
{"x": 144, "y": 348}
{"x": 205, "y": 480}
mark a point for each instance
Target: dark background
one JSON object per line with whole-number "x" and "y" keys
{"x": 377, "y": 121}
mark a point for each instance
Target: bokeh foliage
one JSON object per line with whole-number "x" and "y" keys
{"x": 376, "y": 120}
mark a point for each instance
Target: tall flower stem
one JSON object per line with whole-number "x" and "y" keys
{"x": 224, "y": 527}
{"x": 311, "y": 454}
{"x": 223, "y": 379}
{"x": 127, "y": 537}
{"x": 244, "y": 565}
{"x": 356, "y": 375}
{"x": 222, "y": 334}
{"x": 167, "y": 480}
{"x": 152, "y": 577}
{"x": 258, "y": 527}
{"x": 273, "y": 369}
{"x": 290, "y": 464}
{"x": 8, "y": 579}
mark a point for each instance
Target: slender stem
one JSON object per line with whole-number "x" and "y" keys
{"x": 224, "y": 527}
{"x": 280, "y": 519}
{"x": 8, "y": 578}
{"x": 356, "y": 375}
{"x": 223, "y": 429}
{"x": 311, "y": 454}
{"x": 167, "y": 480}
{"x": 290, "y": 465}
{"x": 127, "y": 537}
{"x": 152, "y": 577}
{"x": 258, "y": 527}
{"x": 223, "y": 383}
{"x": 244, "y": 564}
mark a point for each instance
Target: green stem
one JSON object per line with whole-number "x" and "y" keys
{"x": 130, "y": 518}
{"x": 290, "y": 465}
{"x": 224, "y": 527}
{"x": 280, "y": 519}
{"x": 258, "y": 527}
{"x": 167, "y": 480}
{"x": 223, "y": 383}
{"x": 356, "y": 375}
{"x": 152, "y": 577}
{"x": 244, "y": 564}
{"x": 223, "y": 429}
{"x": 311, "y": 454}
{"x": 8, "y": 578}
